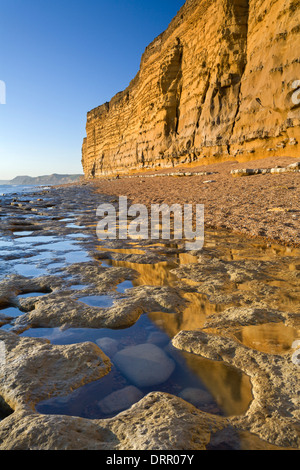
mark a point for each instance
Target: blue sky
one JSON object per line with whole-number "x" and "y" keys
{"x": 59, "y": 59}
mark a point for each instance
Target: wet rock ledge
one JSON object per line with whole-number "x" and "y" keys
{"x": 239, "y": 293}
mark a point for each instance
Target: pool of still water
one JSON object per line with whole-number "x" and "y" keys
{"x": 210, "y": 386}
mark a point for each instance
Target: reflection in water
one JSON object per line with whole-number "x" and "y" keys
{"x": 32, "y": 294}
{"x": 125, "y": 251}
{"x": 191, "y": 318}
{"x": 101, "y": 301}
{"x": 157, "y": 274}
{"x": 231, "y": 390}
{"x": 27, "y": 270}
{"x": 232, "y": 247}
{"x": 11, "y": 312}
{"x": 194, "y": 377}
{"x": 123, "y": 286}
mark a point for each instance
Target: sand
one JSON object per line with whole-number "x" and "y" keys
{"x": 264, "y": 206}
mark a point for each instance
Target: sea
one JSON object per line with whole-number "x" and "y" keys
{"x": 6, "y": 189}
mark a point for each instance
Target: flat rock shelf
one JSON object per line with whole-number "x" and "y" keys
{"x": 126, "y": 344}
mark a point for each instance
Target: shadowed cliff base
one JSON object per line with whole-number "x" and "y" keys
{"x": 226, "y": 317}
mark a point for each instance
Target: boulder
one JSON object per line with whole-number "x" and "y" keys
{"x": 196, "y": 396}
{"x": 108, "y": 345}
{"x": 120, "y": 400}
{"x": 144, "y": 365}
{"x": 158, "y": 338}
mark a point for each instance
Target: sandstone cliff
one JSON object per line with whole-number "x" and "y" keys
{"x": 222, "y": 81}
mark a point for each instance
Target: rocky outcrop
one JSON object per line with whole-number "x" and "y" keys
{"x": 221, "y": 82}
{"x": 294, "y": 167}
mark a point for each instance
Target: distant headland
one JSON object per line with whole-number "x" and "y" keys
{"x": 45, "y": 179}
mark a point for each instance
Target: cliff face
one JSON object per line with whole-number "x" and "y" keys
{"x": 222, "y": 81}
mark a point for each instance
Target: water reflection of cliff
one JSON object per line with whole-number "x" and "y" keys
{"x": 191, "y": 318}
{"x": 157, "y": 274}
{"x": 230, "y": 388}
{"x": 271, "y": 338}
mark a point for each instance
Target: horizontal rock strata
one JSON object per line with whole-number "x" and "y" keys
{"x": 221, "y": 81}
{"x": 294, "y": 167}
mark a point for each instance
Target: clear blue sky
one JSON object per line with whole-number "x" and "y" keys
{"x": 59, "y": 59}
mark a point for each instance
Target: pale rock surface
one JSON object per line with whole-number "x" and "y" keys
{"x": 237, "y": 316}
{"x": 34, "y": 369}
{"x": 158, "y": 422}
{"x": 145, "y": 364}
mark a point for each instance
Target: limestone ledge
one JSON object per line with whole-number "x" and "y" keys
{"x": 294, "y": 167}
{"x": 34, "y": 369}
{"x": 159, "y": 421}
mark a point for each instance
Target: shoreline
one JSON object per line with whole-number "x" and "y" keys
{"x": 263, "y": 206}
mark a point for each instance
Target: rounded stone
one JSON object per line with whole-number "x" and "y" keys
{"x": 144, "y": 365}
{"x": 120, "y": 400}
{"x": 196, "y": 396}
{"x": 108, "y": 345}
{"x": 158, "y": 338}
